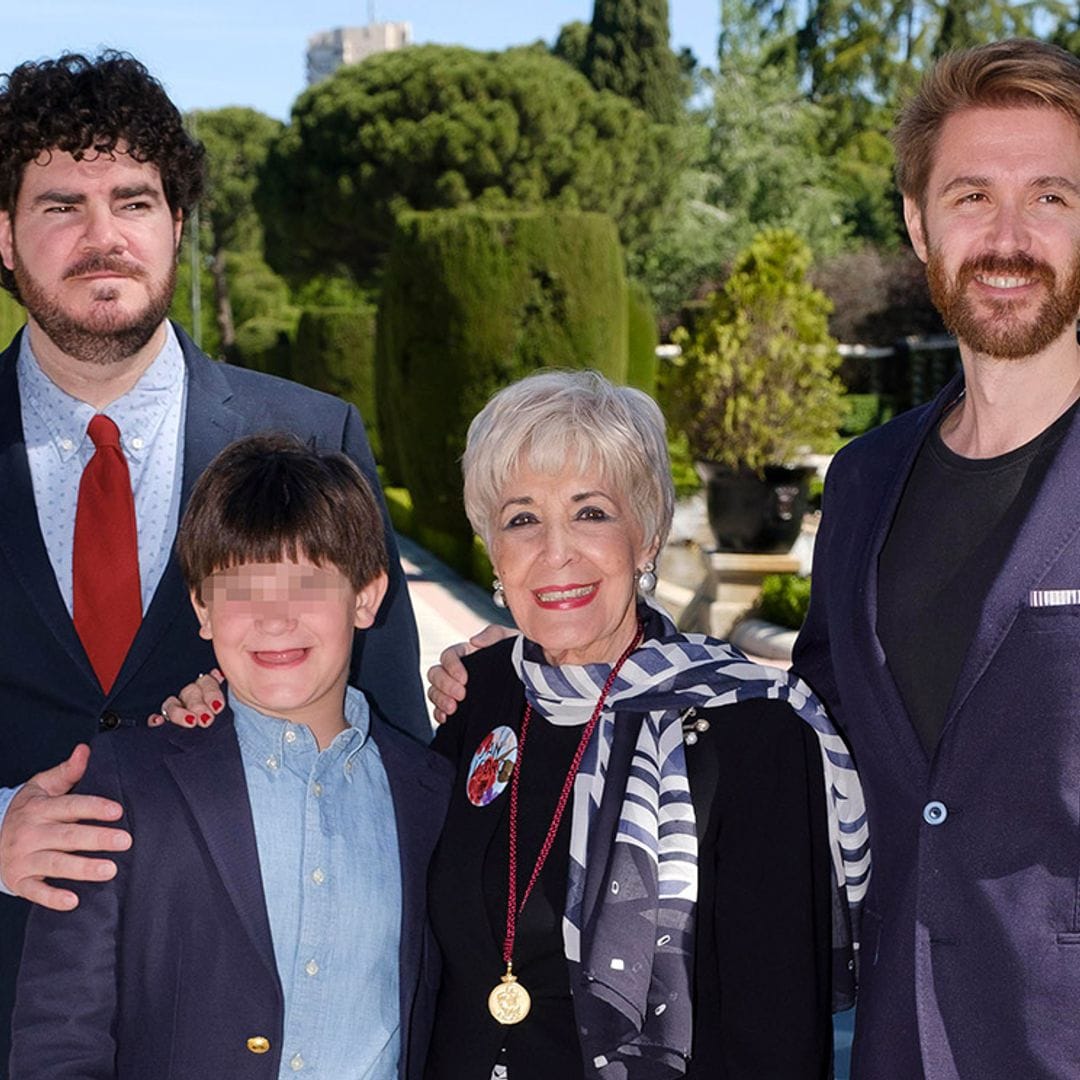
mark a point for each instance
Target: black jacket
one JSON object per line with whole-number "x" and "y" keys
{"x": 763, "y": 955}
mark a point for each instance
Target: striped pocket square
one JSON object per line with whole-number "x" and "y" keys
{"x": 1053, "y": 597}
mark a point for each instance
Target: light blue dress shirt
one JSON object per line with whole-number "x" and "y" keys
{"x": 331, "y": 872}
{"x": 150, "y": 417}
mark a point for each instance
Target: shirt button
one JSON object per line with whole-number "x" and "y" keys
{"x": 137, "y": 443}
{"x": 271, "y": 762}
{"x": 935, "y": 813}
{"x": 296, "y": 1063}
{"x": 290, "y": 736}
{"x": 312, "y": 968}
{"x": 66, "y": 444}
{"x": 318, "y": 876}
{"x": 316, "y": 789}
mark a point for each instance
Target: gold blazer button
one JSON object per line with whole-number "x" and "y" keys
{"x": 258, "y": 1044}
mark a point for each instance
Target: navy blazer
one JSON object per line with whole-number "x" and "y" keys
{"x": 168, "y": 970}
{"x": 971, "y": 935}
{"x": 50, "y": 698}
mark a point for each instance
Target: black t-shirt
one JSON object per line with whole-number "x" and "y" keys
{"x": 955, "y": 525}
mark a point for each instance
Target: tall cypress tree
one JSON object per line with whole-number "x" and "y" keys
{"x": 628, "y": 51}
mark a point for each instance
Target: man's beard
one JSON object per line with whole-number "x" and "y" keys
{"x": 103, "y": 337}
{"x": 994, "y": 327}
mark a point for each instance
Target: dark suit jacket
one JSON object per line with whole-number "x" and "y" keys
{"x": 49, "y": 697}
{"x": 971, "y": 935}
{"x": 763, "y": 948}
{"x": 167, "y": 971}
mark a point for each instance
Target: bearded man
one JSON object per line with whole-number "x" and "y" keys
{"x": 108, "y": 414}
{"x": 944, "y": 623}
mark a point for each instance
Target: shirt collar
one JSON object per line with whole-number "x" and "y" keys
{"x": 138, "y": 414}
{"x": 272, "y": 743}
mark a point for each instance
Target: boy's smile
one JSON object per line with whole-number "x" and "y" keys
{"x": 283, "y": 635}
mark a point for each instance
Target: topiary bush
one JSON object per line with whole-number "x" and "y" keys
{"x": 334, "y": 351}
{"x": 642, "y": 339}
{"x": 757, "y": 384}
{"x": 784, "y": 599}
{"x": 12, "y": 316}
{"x": 471, "y": 301}
{"x": 263, "y": 344}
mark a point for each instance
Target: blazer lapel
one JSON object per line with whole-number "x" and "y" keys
{"x": 24, "y": 547}
{"x": 416, "y": 834}
{"x": 871, "y": 653}
{"x": 210, "y": 775}
{"x": 210, "y": 424}
{"x": 1048, "y": 528}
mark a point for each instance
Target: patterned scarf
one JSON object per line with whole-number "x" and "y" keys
{"x": 628, "y": 929}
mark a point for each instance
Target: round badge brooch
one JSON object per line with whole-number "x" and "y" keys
{"x": 492, "y": 766}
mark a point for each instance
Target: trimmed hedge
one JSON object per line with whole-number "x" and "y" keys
{"x": 334, "y": 351}
{"x": 643, "y": 337}
{"x": 262, "y": 344}
{"x": 472, "y": 301}
{"x": 12, "y": 317}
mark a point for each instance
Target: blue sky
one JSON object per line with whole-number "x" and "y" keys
{"x": 245, "y": 52}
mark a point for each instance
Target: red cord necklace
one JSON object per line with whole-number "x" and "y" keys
{"x": 510, "y": 1002}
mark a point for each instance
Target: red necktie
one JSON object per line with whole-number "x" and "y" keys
{"x": 107, "y": 600}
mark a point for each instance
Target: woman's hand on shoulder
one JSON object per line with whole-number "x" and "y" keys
{"x": 196, "y": 705}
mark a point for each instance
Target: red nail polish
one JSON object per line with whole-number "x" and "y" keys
{"x": 206, "y": 718}
{"x": 189, "y": 720}
{"x": 215, "y": 705}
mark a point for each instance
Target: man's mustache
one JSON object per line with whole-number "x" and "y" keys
{"x": 110, "y": 264}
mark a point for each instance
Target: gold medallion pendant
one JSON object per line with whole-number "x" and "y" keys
{"x": 509, "y": 1002}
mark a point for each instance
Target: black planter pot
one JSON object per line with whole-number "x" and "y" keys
{"x": 753, "y": 513}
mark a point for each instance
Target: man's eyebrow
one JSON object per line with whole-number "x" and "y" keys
{"x": 136, "y": 191}
{"x": 965, "y": 181}
{"x": 66, "y": 198}
{"x": 1057, "y": 182}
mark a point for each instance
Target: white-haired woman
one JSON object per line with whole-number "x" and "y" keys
{"x": 640, "y": 875}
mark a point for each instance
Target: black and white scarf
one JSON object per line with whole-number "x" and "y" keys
{"x": 629, "y": 938}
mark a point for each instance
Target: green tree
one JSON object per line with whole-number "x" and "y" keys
{"x": 628, "y": 52}
{"x": 758, "y": 383}
{"x": 237, "y": 141}
{"x": 572, "y": 43}
{"x": 438, "y": 127}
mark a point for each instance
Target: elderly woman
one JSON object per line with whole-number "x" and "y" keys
{"x": 640, "y": 875}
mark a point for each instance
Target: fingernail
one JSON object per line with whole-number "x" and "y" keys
{"x": 215, "y": 705}
{"x": 205, "y": 718}
{"x": 189, "y": 720}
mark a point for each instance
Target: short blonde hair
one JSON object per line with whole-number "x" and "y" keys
{"x": 552, "y": 420}
{"x": 1018, "y": 73}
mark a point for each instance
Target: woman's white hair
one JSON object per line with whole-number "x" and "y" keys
{"x": 556, "y": 420}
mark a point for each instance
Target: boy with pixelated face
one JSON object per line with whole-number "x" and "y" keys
{"x": 273, "y": 899}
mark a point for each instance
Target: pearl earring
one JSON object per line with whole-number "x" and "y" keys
{"x": 646, "y": 581}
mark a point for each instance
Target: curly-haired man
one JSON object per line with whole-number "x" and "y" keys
{"x": 97, "y": 176}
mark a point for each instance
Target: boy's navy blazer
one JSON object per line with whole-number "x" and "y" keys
{"x": 971, "y": 929}
{"x": 168, "y": 971}
{"x": 50, "y": 699}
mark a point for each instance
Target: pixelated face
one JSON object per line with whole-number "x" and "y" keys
{"x": 92, "y": 244}
{"x": 283, "y": 634}
{"x": 999, "y": 229}
{"x": 566, "y": 548}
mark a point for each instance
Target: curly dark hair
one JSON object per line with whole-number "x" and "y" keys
{"x": 78, "y": 104}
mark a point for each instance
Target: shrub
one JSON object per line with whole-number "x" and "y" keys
{"x": 758, "y": 383}
{"x": 784, "y": 599}
{"x": 472, "y": 301}
{"x": 642, "y": 339}
{"x": 335, "y": 352}
{"x": 263, "y": 344}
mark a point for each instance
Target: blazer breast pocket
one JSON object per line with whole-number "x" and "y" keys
{"x": 1051, "y": 610}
